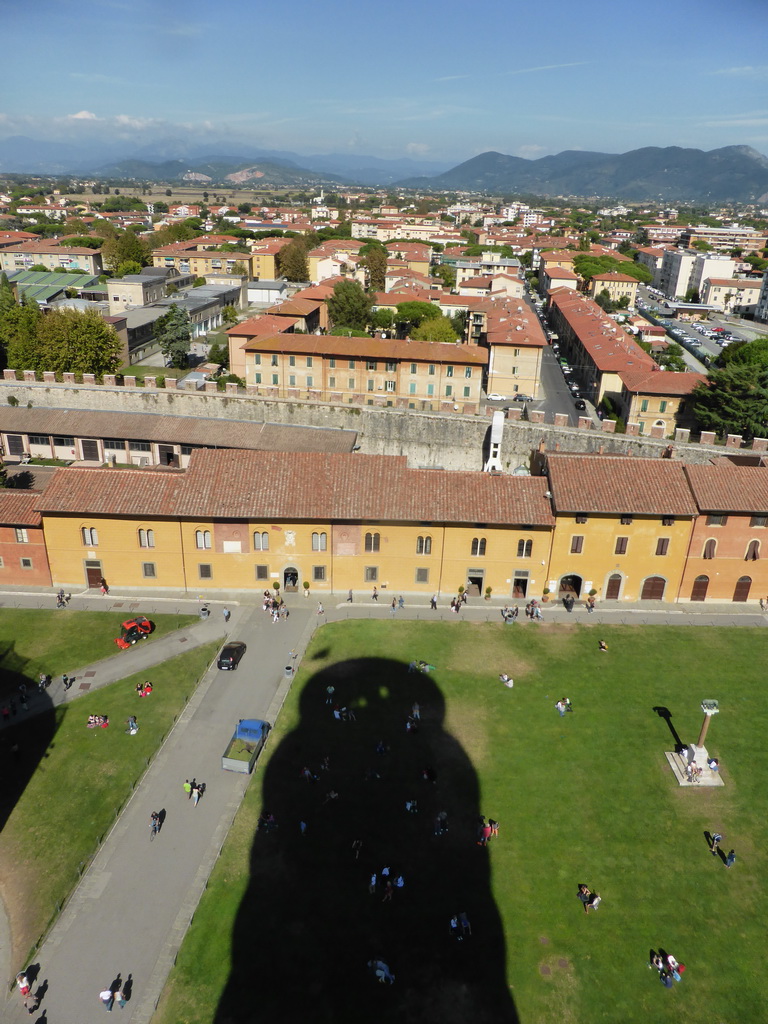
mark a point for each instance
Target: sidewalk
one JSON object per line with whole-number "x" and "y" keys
{"x": 133, "y": 906}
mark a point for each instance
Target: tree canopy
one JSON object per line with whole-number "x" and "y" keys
{"x": 173, "y": 333}
{"x": 125, "y": 248}
{"x": 734, "y": 400}
{"x": 374, "y": 257}
{"x": 292, "y": 260}
{"x": 436, "y": 328}
{"x": 745, "y": 353}
{"x": 349, "y": 306}
{"x": 587, "y": 266}
{"x": 64, "y": 340}
{"x": 413, "y": 314}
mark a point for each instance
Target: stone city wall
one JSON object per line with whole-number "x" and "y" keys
{"x": 433, "y": 440}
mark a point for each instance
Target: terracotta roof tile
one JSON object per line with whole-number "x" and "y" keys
{"x": 660, "y": 382}
{"x": 19, "y": 508}
{"x": 728, "y": 488}
{"x": 117, "y": 492}
{"x": 616, "y": 485}
{"x": 372, "y": 348}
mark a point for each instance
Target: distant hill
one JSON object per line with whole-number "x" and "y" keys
{"x": 217, "y": 170}
{"x": 735, "y": 173}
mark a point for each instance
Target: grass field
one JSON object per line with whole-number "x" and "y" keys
{"x": 64, "y": 785}
{"x": 584, "y": 798}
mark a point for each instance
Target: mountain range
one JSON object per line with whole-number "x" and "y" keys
{"x": 734, "y": 173}
{"x": 671, "y": 174}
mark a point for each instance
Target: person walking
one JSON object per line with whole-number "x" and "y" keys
{"x": 349, "y": 597}
{"x": 730, "y": 860}
{"x": 227, "y": 614}
{"x": 433, "y": 602}
{"x": 108, "y": 998}
{"x": 188, "y": 788}
{"x": 104, "y": 592}
{"x": 393, "y": 608}
{"x": 716, "y": 840}
{"x": 375, "y": 594}
{"x": 320, "y": 609}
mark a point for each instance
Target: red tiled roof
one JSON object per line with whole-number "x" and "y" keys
{"x": 660, "y": 382}
{"x": 614, "y": 275}
{"x": 19, "y": 508}
{"x": 609, "y": 347}
{"x": 616, "y": 485}
{"x": 354, "y": 487}
{"x": 728, "y": 488}
{"x": 261, "y": 326}
{"x": 118, "y": 492}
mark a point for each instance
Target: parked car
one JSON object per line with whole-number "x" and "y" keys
{"x": 524, "y": 398}
{"x": 133, "y": 630}
{"x": 580, "y": 403}
{"x": 494, "y": 397}
{"x": 230, "y": 655}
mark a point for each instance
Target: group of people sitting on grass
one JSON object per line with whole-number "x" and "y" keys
{"x": 97, "y": 721}
{"x": 144, "y": 689}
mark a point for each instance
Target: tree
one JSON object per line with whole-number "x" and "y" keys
{"x": 734, "y": 400}
{"x": 672, "y": 358}
{"x": 459, "y": 322}
{"x": 173, "y": 333}
{"x": 446, "y": 273}
{"x": 124, "y": 248}
{"x": 413, "y": 314}
{"x": 129, "y": 267}
{"x": 7, "y": 298}
{"x": 19, "y": 336}
{"x": 229, "y": 315}
{"x": 218, "y": 352}
{"x": 78, "y": 342}
{"x": 292, "y": 260}
{"x": 238, "y": 267}
{"x": 383, "y": 320}
{"x": 349, "y": 306}
{"x": 604, "y": 300}
{"x": 437, "y": 328}
{"x": 374, "y": 257}
{"x": 745, "y": 353}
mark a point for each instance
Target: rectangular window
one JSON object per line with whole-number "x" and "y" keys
{"x": 626, "y": 520}
{"x": 257, "y": 360}
{"x": 140, "y": 446}
{"x": 310, "y": 381}
{"x": 262, "y": 572}
{"x": 413, "y": 367}
{"x": 186, "y": 449}
{"x": 38, "y": 439}
{"x": 22, "y": 536}
{"x": 26, "y": 563}
{"x": 114, "y": 444}
{"x": 275, "y": 379}
{"x": 412, "y": 388}
{"x": 577, "y": 545}
{"x": 432, "y": 369}
{"x": 448, "y": 390}
{"x": 449, "y": 371}
{"x": 717, "y": 520}
{"x": 205, "y": 571}
{"x": 309, "y": 362}
{"x": 370, "y": 385}
{"x": 2, "y": 563}
{"x": 466, "y": 392}
{"x": 274, "y": 360}
{"x": 148, "y": 570}
{"x": 370, "y": 364}
{"x": 371, "y": 573}
{"x": 516, "y": 352}
{"x": 662, "y": 406}
{"x": 668, "y": 521}
{"x": 351, "y": 364}
{"x": 621, "y": 546}
{"x": 391, "y": 367}
{"x": 351, "y": 383}
{"x": 467, "y": 371}
{"x": 430, "y": 390}
{"x": 758, "y": 520}
{"x": 64, "y": 442}
{"x": 291, "y": 380}
{"x": 331, "y": 382}
{"x": 581, "y": 519}
{"x": 318, "y": 573}
{"x": 332, "y": 363}
{"x": 644, "y": 405}
{"x": 422, "y": 575}
{"x": 291, "y": 360}
{"x": 662, "y": 545}
{"x": 390, "y": 385}
{"x": 257, "y": 378}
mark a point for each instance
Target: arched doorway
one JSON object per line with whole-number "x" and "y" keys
{"x": 741, "y": 590}
{"x": 570, "y": 584}
{"x": 613, "y": 589}
{"x": 653, "y": 589}
{"x": 290, "y": 580}
{"x": 699, "y": 588}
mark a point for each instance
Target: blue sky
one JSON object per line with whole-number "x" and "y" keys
{"x": 438, "y": 80}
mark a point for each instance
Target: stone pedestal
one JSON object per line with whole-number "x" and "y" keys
{"x": 679, "y": 762}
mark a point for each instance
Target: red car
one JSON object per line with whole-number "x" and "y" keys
{"x": 133, "y": 630}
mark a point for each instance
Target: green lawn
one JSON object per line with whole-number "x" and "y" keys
{"x": 64, "y": 785}
{"x": 585, "y": 798}
{"x": 63, "y": 640}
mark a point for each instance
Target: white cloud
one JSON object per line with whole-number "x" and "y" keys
{"x": 417, "y": 148}
{"x": 545, "y": 67}
{"x": 748, "y": 71}
{"x": 530, "y": 152}
{"x": 82, "y": 115}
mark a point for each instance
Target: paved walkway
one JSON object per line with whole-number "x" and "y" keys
{"x": 132, "y": 908}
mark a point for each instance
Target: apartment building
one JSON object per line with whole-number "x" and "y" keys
{"x": 658, "y": 400}
{"x": 51, "y": 256}
{"x": 367, "y": 371}
{"x": 619, "y": 286}
{"x": 732, "y": 295}
{"x": 723, "y": 239}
